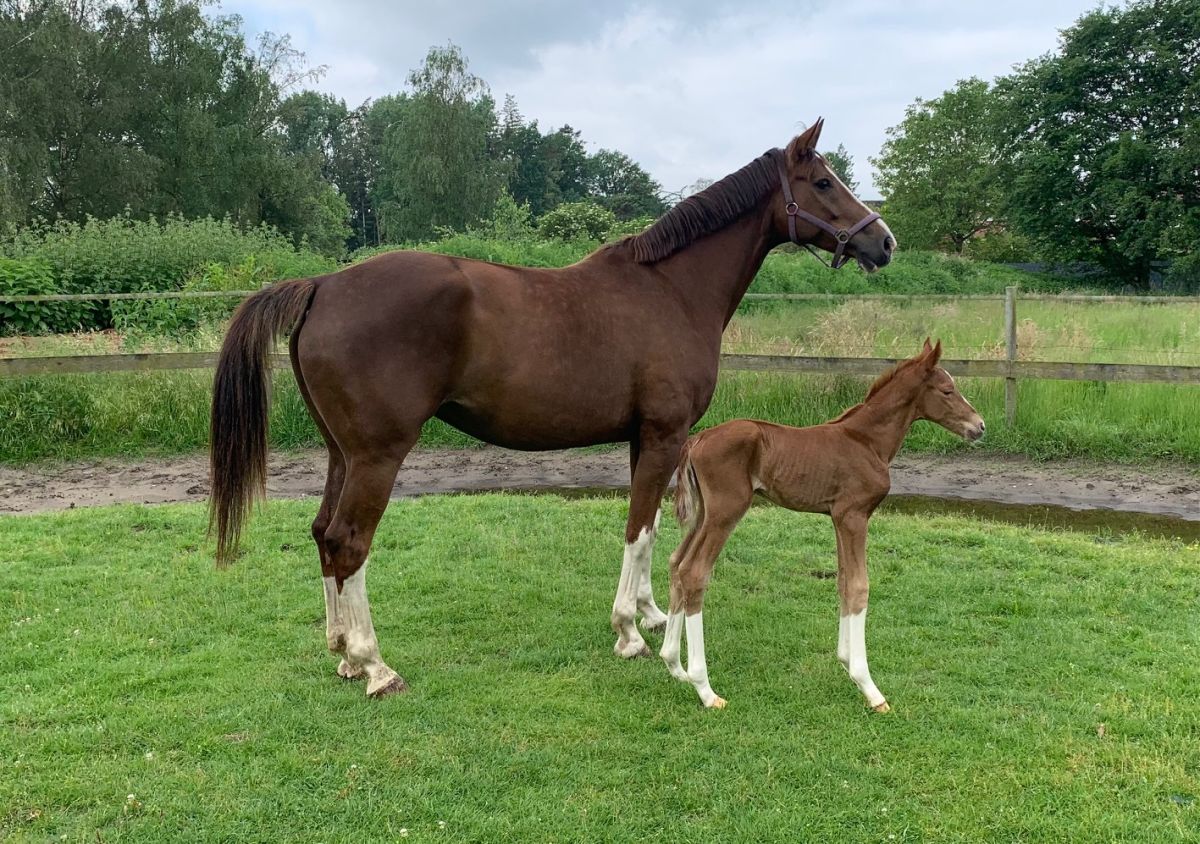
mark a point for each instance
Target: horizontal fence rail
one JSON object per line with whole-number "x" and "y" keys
{"x": 1044, "y": 370}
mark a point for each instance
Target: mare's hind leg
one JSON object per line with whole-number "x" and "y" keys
{"x": 652, "y": 617}
{"x": 335, "y": 629}
{"x": 656, "y": 459}
{"x": 365, "y": 492}
{"x": 335, "y": 626}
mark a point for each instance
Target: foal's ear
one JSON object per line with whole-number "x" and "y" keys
{"x": 932, "y": 355}
{"x": 804, "y": 144}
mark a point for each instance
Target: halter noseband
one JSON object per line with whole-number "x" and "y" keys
{"x": 842, "y": 236}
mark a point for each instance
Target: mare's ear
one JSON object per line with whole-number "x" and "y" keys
{"x": 805, "y": 144}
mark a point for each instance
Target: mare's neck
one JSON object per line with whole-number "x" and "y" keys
{"x": 883, "y": 420}
{"x": 712, "y": 274}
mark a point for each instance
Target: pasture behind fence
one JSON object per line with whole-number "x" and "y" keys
{"x": 1009, "y": 368}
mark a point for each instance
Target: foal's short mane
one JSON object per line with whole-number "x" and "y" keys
{"x": 703, "y": 213}
{"x": 877, "y": 385}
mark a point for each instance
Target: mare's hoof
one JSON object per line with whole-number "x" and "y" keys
{"x": 654, "y": 625}
{"x": 717, "y": 702}
{"x": 881, "y": 708}
{"x": 631, "y": 650}
{"x": 349, "y": 672}
{"x": 393, "y": 687}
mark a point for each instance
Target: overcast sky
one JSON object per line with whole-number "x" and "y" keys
{"x": 690, "y": 90}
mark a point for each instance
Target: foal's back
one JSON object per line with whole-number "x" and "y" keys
{"x": 805, "y": 469}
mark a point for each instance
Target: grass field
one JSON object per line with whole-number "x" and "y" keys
{"x": 1044, "y": 685}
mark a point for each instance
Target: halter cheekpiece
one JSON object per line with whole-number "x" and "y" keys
{"x": 842, "y": 236}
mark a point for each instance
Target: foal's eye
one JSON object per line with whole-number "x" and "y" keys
{"x": 823, "y": 184}
{"x": 947, "y": 392}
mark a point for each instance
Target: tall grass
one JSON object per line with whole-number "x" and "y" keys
{"x": 131, "y": 414}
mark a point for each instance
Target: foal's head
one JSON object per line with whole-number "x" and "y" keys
{"x": 938, "y": 398}
{"x": 818, "y": 191}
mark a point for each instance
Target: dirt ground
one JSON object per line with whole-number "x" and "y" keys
{"x": 1166, "y": 490}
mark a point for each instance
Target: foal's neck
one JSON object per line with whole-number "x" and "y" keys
{"x": 712, "y": 273}
{"x": 883, "y": 420}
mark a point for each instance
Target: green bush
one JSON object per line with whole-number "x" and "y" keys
{"x": 35, "y": 277}
{"x": 122, "y": 255}
{"x": 573, "y": 221}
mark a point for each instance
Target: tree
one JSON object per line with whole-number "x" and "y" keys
{"x": 939, "y": 169}
{"x": 620, "y": 184}
{"x": 841, "y": 163}
{"x": 438, "y": 153}
{"x": 1102, "y": 138}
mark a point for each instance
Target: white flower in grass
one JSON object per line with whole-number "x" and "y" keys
{"x": 441, "y": 824}
{"x": 149, "y": 755}
{"x": 403, "y": 832}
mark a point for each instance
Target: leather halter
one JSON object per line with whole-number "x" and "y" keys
{"x": 842, "y": 236}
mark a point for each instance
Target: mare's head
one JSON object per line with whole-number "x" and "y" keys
{"x": 822, "y": 211}
{"x": 938, "y": 398}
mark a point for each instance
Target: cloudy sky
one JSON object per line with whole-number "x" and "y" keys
{"x": 690, "y": 90}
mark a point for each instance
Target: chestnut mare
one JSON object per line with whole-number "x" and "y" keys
{"x": 840, "y": 468}
{"x": 620, "y": 347}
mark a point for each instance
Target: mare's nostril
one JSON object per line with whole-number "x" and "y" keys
{"x": 888, "y": 244}
{"x": 982, "y": 425}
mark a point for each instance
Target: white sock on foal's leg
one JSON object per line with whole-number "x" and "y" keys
{"x": 853, "y": 637}
{"x": 624, "y": 613}
{"x": 335, "y": 631}
{"x": 362, "y": 648}
{"x": 672, "y": 639}
{"x": 652, "y": 617}
{"x": 697, "y": 668}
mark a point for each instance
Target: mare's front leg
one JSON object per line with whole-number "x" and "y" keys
{"x": 656, "y": 456}
{"x": 853, "y": 590}
{"x": 652, "y": 617}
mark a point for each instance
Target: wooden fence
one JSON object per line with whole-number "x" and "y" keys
{"x": 1009, "y": 368}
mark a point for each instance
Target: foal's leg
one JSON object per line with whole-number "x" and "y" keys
{"x": 853, "y": 589}
{"x": 652, "y": 617}
{"x": 690, "y": 576}
{"x": 655, "y": 462}
{"x": 365, "y": 494}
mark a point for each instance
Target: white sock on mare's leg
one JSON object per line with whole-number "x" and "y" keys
{"x": 335, "y": 631}
{"x": 362, "y": 648}
{"x": 652, "y": 617}
{"x": 624, "y": 613}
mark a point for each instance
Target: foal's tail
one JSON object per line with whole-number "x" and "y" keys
{"x": 241, "y": 401}
{"x": 689, "y": 506}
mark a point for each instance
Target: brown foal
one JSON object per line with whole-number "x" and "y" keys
{"x": 620, "y": 347}
{"x": 840, "y": 468}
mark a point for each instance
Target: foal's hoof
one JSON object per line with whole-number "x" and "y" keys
{"x": 632, "y": 649}
{"x": 881, "y": 708}
{"x": 717, "y": 702}
{"x": 349, "y": 672}
{"x": 393, "y": 687}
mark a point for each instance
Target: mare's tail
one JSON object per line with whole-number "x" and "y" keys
{"x": 241, "y": 401}
{"x": 689, "y": 505}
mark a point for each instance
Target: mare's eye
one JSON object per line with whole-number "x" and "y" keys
{"x": 823, "y": 184}
{"x": 947, "y": 392}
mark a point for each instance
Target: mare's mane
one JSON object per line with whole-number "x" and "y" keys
{"x": 703, "y": 213}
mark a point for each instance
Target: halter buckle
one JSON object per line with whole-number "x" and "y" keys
{"x": 842, "y": 236}
{"x": 792, "y": 209}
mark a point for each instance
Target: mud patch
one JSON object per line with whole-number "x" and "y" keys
{"x": 1168, "y": 490}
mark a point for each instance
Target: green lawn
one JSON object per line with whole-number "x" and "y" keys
{"x": 1044, "y": 685}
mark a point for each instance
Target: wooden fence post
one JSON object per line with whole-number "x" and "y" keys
{"x": 1010, "y": 354}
